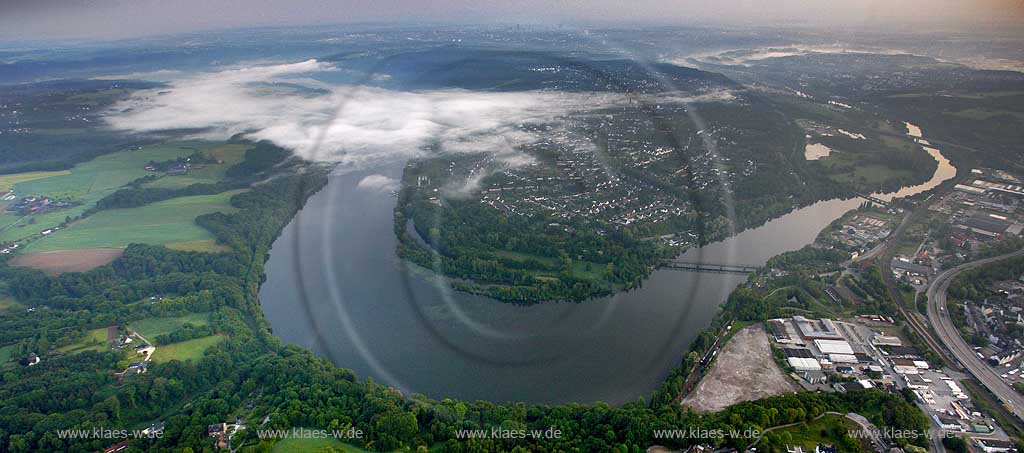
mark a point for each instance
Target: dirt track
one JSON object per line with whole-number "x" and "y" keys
{"x": 61, "y": 261}
{"x": 743, "y": 371}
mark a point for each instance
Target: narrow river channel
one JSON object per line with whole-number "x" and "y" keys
{"x": 334, "y": 285}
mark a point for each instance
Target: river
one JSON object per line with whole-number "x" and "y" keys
{"x": 334, "y": 285}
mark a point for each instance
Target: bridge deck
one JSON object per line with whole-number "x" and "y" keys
{"x": 708, "y": 267}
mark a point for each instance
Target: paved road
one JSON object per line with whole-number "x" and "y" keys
{"x": 950, "y": 336}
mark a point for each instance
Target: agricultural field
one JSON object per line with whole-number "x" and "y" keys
{"x": 152, "y": 327}
{"x": 226, "y": 155}
{"x": 60, "y": 261}
{"x": 186, "y": 350}
{"x": 84, "y": 185}
{"x": 200, "y": 245}
{"x": 169, "y": 221}
{"x": 94, "y": 340}
{"x": 7, "y": 182}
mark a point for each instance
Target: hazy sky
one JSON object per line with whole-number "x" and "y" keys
{"x": 40, "y": 19}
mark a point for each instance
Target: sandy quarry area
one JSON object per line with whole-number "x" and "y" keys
{"x": 743, "y": 371}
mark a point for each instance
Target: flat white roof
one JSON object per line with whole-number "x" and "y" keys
{"x": 842, "y": 358}
{"x": 833, "y": 347}
{"x": 803, "y": 364}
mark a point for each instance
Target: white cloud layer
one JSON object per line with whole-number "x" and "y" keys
{"x": 349, "y": 124}
{"x": 354, "y": 125}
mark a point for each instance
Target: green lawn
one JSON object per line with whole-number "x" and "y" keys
{"x": 169, "y": 221}
{"x": 152, "y": 327}
{"x": 186, "y": 350}
{"x": 809, "y": 435}
{"x": 94, "y": 340}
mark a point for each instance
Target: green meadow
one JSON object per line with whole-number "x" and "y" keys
{"x": 303, "y": 445}
{"x": 152, "y": 327}
{"x": 85, "y": 183}
{"x": 94, "y": 340}
{"x": 169, "y": 221}
{"x": 227, "y": 156}
{"x": 186, "y": 350}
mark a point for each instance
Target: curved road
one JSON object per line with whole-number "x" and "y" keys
{"x": 950, "y": 336}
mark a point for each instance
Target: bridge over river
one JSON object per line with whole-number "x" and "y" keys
{"x": 716, "y": 268}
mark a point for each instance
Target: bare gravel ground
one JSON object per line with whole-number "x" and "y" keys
{"x": 743, "y": 371}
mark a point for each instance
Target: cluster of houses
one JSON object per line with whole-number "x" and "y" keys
{"x": 221, "y": 433}
{"x": 34, "y": 205}
{"x": 177, "y": 168}
{"x": 996, "y": 322}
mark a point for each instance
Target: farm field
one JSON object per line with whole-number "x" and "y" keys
{"x": 7, "y": 182}
{"x": 85, "y": 184}
{"x": 152, "y": 327}
{"x": 186, "y": 350}
{"x": 60, "y": 261}
{"x": 94, "y": 340}
{"x": 169, "y": 221}
{"x": 228, "y": 155}
{"x": 201, "y": 245}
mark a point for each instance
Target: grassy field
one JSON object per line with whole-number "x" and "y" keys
{"x": 809, "y": 435}
{"x": 94, "y": 340}
{"x": 581, "y": 269}
{"x": 7, "y": 182}
{"x": 152, "y": 327}
{"x": 227, "y": 155}
{"x": 200, "y": 245}
{"x": 170, "y": 221}
{"x": 186, "y": 350}
{"x": 86, "y": 183}
{"x": 312, "y": 445}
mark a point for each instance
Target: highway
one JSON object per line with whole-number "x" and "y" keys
{"x": 939, "y": 318}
